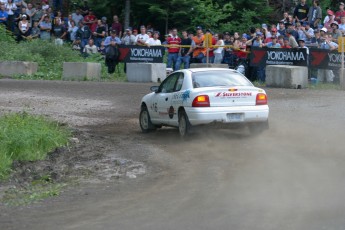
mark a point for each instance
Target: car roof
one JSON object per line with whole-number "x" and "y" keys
{"x": 195, "y": 70}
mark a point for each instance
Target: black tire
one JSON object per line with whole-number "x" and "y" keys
{"x": 183, "y": 124}
{"x": 258, "y": 128}
{"x": 145, "y": 120}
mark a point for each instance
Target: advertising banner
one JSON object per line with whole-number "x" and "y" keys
{"x": 324, "y": 59}
{"x": 277, "y": 56}
{"x": 153, "y": 54}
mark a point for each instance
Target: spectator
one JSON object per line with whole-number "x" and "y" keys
{"x": 301, "y": 44}
{"x": 38, "y": 13}
{"x": 72, "y": 30}
{"x": 24, "y": 28}
{"x": 99, "y": 34}
{"x": 30, "y": 12}
{"x": 273, "y": 32}
{"x": 135, "y": 32}
{"x": 3, "y": 14}
{"x": 76, "y": 45}
{"x": 45, "y": 27}
{"x": 90, "y": 48}
{"x": 273, "y": 43}
{"x": 154, "y": 41}
{"x": 218, "y": 52}
{"x": 184, "y": 54}
{"x": 308, "y": 31}
{"x": 301, "y": 12}
{"x": 104, "y": 22}
{"x": 326, "y": 43}
{"x": 243, "y": 43}
{"x": 292, "y": 29}
{"x": 335, "y": 32}
{"x": 45, "y": 5}
{"x": 77, "y": 17}
{"x": 292, "y": 39}
{"x": 128, "y": 38}
{"x": 59, "y": 32}
{"x": 111, "y": 57}
{"x": 19, "y": 4}
{"x": 173, "y": 50}
{"x": 286, "y": 43}
{"x": 199, "y": 50}
{"x": 101, "y": 49}
{"x": 281, "y": 40}
{"x": 329, "y": 19}
{"x": 84, "y": 33}
{"x": 342, "y": 25}
{"x": 301, "y": 33}
{"x": 10, "y": 8}
{"x": 84, "y": 9}
{"x": 117, "y": 25}
{"x": 258, "y": 72}
{"x": 340, "y": 13}
{"x": 141, "y": 38}
{"x": 58, "y": 17}
{"x": 210, "y": 49}
{"x": 315, "y": 15}
{"x": 282, "y": 29}
{"x": 35, "y": 30}
{"x": 91, "y": 21}
{"x": 316, "y": 40}
{"x": 149, "y": 33}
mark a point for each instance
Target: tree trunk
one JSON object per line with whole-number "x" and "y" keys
{"x": 127, "y": 13}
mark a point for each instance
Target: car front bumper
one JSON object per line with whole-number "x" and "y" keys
{"x": 241, "y": 114}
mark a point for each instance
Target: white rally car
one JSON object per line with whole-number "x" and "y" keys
{"x": 193, "y": 97}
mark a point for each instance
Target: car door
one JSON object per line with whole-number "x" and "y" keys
{"x": 177, "y": 99}
{"x": 162, "y": 99}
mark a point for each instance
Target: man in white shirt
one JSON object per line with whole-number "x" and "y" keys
{"x": 154, "y": 41}
{"x": 142, "y": 37}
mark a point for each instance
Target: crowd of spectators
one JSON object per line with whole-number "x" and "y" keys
{"x": 304, "y": 28}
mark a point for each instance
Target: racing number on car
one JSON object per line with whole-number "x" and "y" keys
{"x": 154, "y": 107}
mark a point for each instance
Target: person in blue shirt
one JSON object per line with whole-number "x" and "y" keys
{"x": 111, "y": 51}
{"x": 3, "y": 14}
{"x": 273, "y": 43}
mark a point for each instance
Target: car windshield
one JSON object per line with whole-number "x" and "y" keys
{"x": 219, "y": 78}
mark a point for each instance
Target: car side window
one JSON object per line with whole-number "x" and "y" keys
{"x": 179, "y": 82}
{"x": 168, "y": 84}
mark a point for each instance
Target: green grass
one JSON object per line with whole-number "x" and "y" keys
{"x": 325, "y": 86}
{"x": 25, "y": 137}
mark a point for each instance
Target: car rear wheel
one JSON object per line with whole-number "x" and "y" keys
{"x": 183, "y": 124}
{"x": 145, "y": 120}
{"x": 258, "y": 128}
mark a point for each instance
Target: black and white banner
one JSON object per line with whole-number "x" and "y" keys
{"x": 153, "y": 54}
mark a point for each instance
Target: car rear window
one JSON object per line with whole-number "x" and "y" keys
{"x": 219, "y": 78}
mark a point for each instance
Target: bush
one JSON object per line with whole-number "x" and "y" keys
{"x": 25, "y": 137}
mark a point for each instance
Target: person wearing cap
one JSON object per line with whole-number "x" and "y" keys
{"x": 274, "y": 43}
{"x": 111, "y": 50}
{"x": 327, "y": 44}
{"x": 173, "y": 50}
{"x": 301, "y": 44}
{"x": 316, "y": 40}
{"x": 116, "y": 25}
{"x": 301, "y": 11}
{"x": 315, "y": 14}
{"x": 128, "y": 38}
{"x": 300, "y": 31}
{"x": 24, "y": 28}
{"x": 329, "y": 19}
{"x": 335, "y": 32}
{"x": 340, "y": 13}
{"x": 269, "y": 35}
{"x": 142, "y": 37}
{"x": 307, "y": 31}
{"x": 99, "y": 34}
{"x": 286, "y": 44}
{"x": 154, "y": 41}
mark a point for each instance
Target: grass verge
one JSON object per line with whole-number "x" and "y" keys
{"x": 24, "y": 137}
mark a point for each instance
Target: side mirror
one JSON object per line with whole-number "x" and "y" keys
{"x": 154, "y": 89}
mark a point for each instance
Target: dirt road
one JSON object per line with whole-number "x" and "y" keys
{"x": 291, "y": 177}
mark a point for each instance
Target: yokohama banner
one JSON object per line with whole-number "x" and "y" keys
{"x": 153, "y": 54}
{"x": 278, "y": 56}
{"x": 324, "y": 59}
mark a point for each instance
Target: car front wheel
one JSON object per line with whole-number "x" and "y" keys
{"x": 145, "y": 120}
{"x": 183, "y": 124}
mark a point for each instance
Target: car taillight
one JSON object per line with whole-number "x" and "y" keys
{"x": 261, "y": 99}
{"x": 201, "y": 101}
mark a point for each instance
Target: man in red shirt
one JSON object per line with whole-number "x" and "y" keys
{"x": 286, "y": 43}
{"x": 117, "y": 25}
{"x": 173, "y": 41}
{"x": 91, "y": 21}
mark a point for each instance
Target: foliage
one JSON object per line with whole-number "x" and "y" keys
{"x": 25, "y": 137}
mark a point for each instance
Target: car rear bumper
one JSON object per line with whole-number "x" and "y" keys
{"x": 243, "y": 114}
